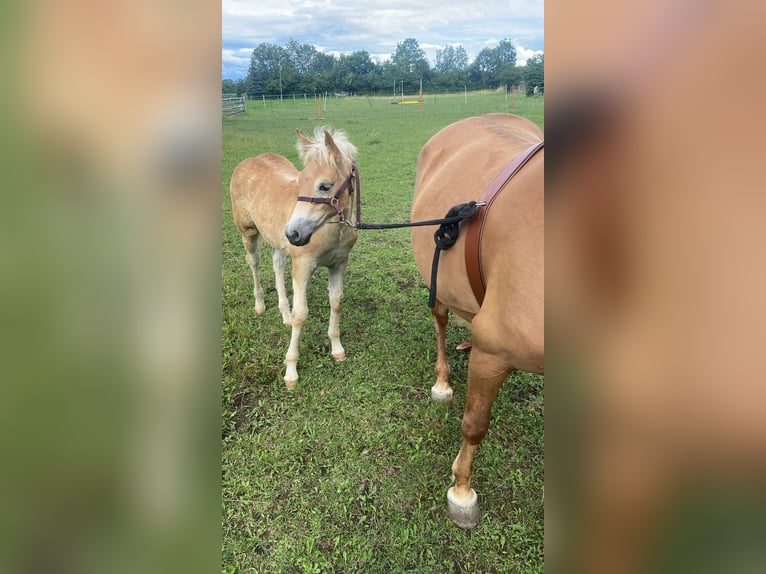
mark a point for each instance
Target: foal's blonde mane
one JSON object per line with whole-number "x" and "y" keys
{"x": 317, "y": 150}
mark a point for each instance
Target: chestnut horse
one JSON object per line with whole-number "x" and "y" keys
{"x": 265, "y": 193}
{"x": 454, "y": 167}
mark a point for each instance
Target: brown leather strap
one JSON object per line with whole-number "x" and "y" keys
{"x": 476, "y": 224}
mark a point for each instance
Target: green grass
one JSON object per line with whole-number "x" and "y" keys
{"x": 349, "y": 472}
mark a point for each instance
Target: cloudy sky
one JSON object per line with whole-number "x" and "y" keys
{"x": 343, "y": 26}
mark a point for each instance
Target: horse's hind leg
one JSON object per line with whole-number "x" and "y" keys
{"x": 441, "y": 392}
{"x": 335, "y": 287}
{"x": 278, "y": 258}
{"x": 252, "y": 242}
{"x": 485, "y": 377}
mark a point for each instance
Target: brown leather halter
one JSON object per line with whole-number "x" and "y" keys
{"x": 334, "y": 201}
{"x": 476, "y": 225}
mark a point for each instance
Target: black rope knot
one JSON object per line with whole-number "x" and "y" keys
{"x": 447, "y": 233}
{"x": 446, "y": 236}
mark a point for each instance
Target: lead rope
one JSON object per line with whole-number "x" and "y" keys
{"x": 444, "y": 237}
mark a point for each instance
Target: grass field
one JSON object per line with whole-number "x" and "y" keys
{"x": 349, "y": 472}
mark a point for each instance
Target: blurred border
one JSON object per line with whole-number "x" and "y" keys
{"x": 655, "y": 437}
{"x": 110, "y": 406}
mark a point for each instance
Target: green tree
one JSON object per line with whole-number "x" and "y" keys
{"x": 485, "y": 72}
{"x": 354, "y": 72}
{"x": 505, "y": 54}
{"x": 451, "y": 68}
{"x": 534, "y": 73}
{"x": 228, "y": 87}
{"x": 409, "y": 64}
{"x": 307, "y": 64}
{"x": 301, "y": 68}
{"x": 264, "y": 74}
{"x": 482, "y": 69}
{"x": 508, "y": 75}
{"x": 451, "y": 59}
{"x": 321, "y": 72}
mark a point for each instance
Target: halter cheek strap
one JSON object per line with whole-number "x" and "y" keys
{"x": 334, "y": 201}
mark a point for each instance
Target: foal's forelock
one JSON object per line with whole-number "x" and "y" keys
{"x": 318, "y": 151}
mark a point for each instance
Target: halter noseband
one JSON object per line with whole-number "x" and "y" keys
{"x": 334, "y": 201}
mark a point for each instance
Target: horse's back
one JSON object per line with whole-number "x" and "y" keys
{"x": 263, "y": 194}
{"x": 456, "y": 166}
{"x": 470, "y": 152}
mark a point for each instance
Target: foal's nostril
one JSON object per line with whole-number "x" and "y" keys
{"x": 293, "y": 236}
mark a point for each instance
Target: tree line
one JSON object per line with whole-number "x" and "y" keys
{"x": 300, "y": 68}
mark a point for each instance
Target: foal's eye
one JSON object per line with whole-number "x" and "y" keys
{"x": 325, "y": 186}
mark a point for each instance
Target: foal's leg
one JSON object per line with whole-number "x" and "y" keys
{"x": 485, "y": 376}
{"x": 302, "y": 271}
{"x": 335, "y": 287}
{"x": 441, "y": 392}
{"x": 252, "y": 242}
{"x": 278, "y": 258}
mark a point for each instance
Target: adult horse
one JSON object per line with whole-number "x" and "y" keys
{"x": 272, "y": 201}
{"x": 454, "y": 167}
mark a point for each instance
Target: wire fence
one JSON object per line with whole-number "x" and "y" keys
{"x": 308, "y": 97}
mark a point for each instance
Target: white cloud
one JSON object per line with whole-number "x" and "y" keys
{"x": 235, "y": 62}
{"x": 380, "y": 58}
{"x": 236, "y": 56}
{"x": 523, "y": 54}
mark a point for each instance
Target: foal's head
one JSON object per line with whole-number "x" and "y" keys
{"x": 327, "y": 158}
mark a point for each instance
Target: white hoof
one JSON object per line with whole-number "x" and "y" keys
{"x": 464, "y": 513}
{"x": 339, "y": 356}
{"x": 290, "y": 384}
{"x": 259, "y": 309}
{"x": 439, "y": 395}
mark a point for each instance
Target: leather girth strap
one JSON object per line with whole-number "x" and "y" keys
{"x": 476, "y": 224}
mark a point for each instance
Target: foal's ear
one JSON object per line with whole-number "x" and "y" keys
{"x": 330, "y": 143}
{"x": 304, "y": 141}
{"x": 303, "y": 145}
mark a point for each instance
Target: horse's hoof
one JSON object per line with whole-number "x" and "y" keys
{"x": 339, "y": 356}
{"x": 464, "y": 346}
{"x": 287, "y": 322}
{"x": 464, "y": 513}
{"x": 441, "y": 395}
{"x": 259, "y": 309}
{"x": 291, "y": 384}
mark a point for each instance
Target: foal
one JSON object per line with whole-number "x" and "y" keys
{"x": 272, "y": 201}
